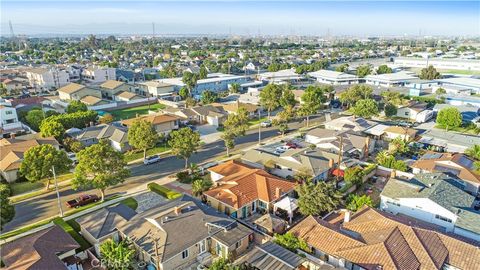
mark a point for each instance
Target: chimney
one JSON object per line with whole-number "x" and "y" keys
{"x": 393, "y": 174}
{"x": 278, "y": 192}
{"x": 346, "y": 217}
{"x": 330, "y": 163}
{"x": 177, "y": 210}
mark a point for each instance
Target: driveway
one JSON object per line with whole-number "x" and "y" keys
{"x": 209, "y": 133}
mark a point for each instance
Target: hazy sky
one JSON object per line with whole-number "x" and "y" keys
{"x": 359, "y": 18}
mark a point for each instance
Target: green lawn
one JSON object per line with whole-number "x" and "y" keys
{"x": 24, "y": 187}
{"x": 132, "y": 112}
{"x": 134, "y": 155}
{"x": 256, "y": 121}
{"x": 130, "y": 202}
{"x": 462, "y": 129}
{"x": 461, "y": 72}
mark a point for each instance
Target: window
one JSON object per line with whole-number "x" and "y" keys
{"x": 9, "y": 112}
{"x": 443, "y": 218}
{"x": 185, "y": 254}
{"x": 237, "y": 245}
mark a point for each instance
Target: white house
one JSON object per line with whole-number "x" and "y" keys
{"x": 435, "y": 198}
{"x": 349, "y": 123}
{"x": 415, "y": 111}
{"x": 9, "y": 121}
{"x": 96, "y": 74}
{"x": 46, "y": 79}
{"x": 333, "y": 77}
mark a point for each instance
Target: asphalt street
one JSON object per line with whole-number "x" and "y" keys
{"x": 45, "y": 206}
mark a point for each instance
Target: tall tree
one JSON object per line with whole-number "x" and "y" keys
{"x": 100, "y": 166}
{"x": 142, "y": 135}
{"x": 190, "y": 81}
{"x": 270, "y": 97}
{"x": 383, "y": 69}
{"x": 184, "y": 142}
{"x": 355, "y": 93}
{"x": 449, "y": 118}
{"x": 53, "y": 128}
{"x": 354, "y": 175}
{"x": 364, "y": 70}
{"x": 390, "y": 110}
{"x": 288, "y": 98}
{"x": 203, "y": 74}
{"x": 7, "y": 210}
{"x": 236, "y": 125}
{"x": 342, "y": 68}
{"x": 209, "y": 97}
{"x": 365, "y": 108}
{"x": 34, "y": 118}
{"x": 312, "y": 100}
{"x": 38, "y": 162}
{"x": 314, "y": 199}
{"x": 429, "y": 73}
{"x": 117, "y": 256}
{"x": 76, "y": 106}
{"x": 234, "y": 88}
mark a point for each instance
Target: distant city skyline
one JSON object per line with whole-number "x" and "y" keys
{"x": 319, "y": 18}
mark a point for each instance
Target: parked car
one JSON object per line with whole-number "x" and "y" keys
{"x": 292, "y": 145}
{"x": 72, "y": 157}
{"x": 151, "y": 159}
{"x": 192, "y": 127}
{"x": 82, "y": 200}
{"x": 266, "y": 123}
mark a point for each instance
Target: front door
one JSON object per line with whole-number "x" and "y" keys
{"x": 244, "y": 212}
{"x": 202, "y": 247}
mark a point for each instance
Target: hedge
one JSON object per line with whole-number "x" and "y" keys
{"x": 163, "y": 191}
{"x": 70, "y": 230}
{"x": 79, "y": 119}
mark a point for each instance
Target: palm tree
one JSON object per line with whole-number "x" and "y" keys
{"x": 474, "y": 152}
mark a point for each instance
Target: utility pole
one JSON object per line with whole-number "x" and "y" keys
{"x": 58, "y": 194}
{"x": 339, "y": 159}
{"x": 259, "y": 127}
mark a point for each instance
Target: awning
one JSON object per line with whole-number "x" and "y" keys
{"x": 288, "y": 204}
{"x": 338, "y": 172}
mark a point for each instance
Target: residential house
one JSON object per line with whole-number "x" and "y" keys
{"x": 406, "y": 133}
{"x": 207, "y": 114}
{"x": 9, "y": 123}
{"x": 401, "y": 78}
{"x": 75, "y": 91}
{"x": 435, "y": 198}
{"x": 162, "y": 123}
{"x": 111, "y": 88}
{"x": 457, "y": 164}
{"x": 372, "y": 239}
{"x": 415, "y": 111}
{"x": 232, "y": 108}
{"x": 116, "y": 135}
{"x": 93, "y": 101}
{"x": 349, "y": 123}
{"x": 242, "y": 190}
{"x": 183, "y": 233}
{"x": 270, "y": 256}
{"x": 444, "y": 141}
{"x": 96, "y": 74}
{"x": 101, "y": 225}
{"x": 349, "y": 143}
{"x": 12, "y": 85}
{"x": 12, "y": 150}
{"x": 46, "y": 249}
{"x": 291, "y": 162}
{"x": 334, "y": 77}
{"x": 46, "y": 79}
{"x": 157, "y": 88}
{"x": 126, "y": 96}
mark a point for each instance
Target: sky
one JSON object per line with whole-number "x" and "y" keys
{"x": 337, "y": 18}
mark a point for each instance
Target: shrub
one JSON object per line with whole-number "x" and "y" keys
{"x": 184, "y": 177}
{"x": 163, "y": 191}
{"x": 291, "y": 242}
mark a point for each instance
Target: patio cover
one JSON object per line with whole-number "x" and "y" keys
{"x": 288, "y": 204}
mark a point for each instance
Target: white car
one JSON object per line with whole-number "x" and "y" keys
{"x": 151, "y": 159}
{"x": 72, "y": 157}
{"x": 265, "y": 124}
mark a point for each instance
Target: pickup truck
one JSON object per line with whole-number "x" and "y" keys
{"x": 82, "y": 200}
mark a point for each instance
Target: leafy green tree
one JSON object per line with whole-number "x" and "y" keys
{"x": 34, "y": 118}
{"x": 236, "y": 125}
{"x": 383, "y": 69}
{"x": 474, "y": 152}
{"x": 106, "y": 118}
{"x": 449, "y": 118}
{"x": 99, "y": 166}
{"x": 291, "y": 242}
{"x": 312, "y": 100}
{"x": 52, "y": 128}
{"x": 429, "y": 73}
{"x": 190, "y": 81}
{"x": 364, "y": 70}
{"x": 365, "y": 108}
{"x": 183, "y": 92}
{"x": 7, "y": 210}
{"x": 287, "y": 99}
{"x": 234, "y": 88}
{"x": 315, "y": 199}
{"x": 398, "y": 145}
{"x": 38, "y": 162}
{"x": 270, "y": 97}
{"x": 78, "y": 119}
{"x": 390, "y": 110}
{"x": 72, "y": 145}
{"x": 184, "y": 142}
{"x": 355, "y": 202}
{"x": 355, "y": 93}
{"x": 209, "y": 97}
{"x": 117, "y": 256}
{"x": 342, "y": 68}
{"x": 387, "y": 160}
{"x": 201, "y": 185}
{"x": 203, "y": 72}
{"x": 76, "y": 106}
{"x": 393, "y": 97}
{"x": 440, "y": 91}
{"x": 354, "y": 175}
{"x": 142, "y": 135}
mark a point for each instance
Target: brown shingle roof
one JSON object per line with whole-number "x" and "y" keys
{"x": 71, "y": 88}
{"x": 401, "y": 131}
{"x": 38, "y": 250}
{"x": 111, "y": 84}
{"x": 245, "y": 185}
{"x": 90, "y": 100}
{"x": 155, "y": 119}
{"x": 378, "y": 239}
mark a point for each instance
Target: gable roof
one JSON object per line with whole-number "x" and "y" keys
{"x": 111, "y": 84}
{"x": 373, "y": 239}
{"x": 91, "y": 100}
{"x": 71, "y": 88}
{"x": 457, "y": 164}
{"x": 38, "y": 250}
{"x": 102, "y": 131}
{"x": 154, "y": 119}
{"x": 245, "y": 185}
{"x": 401, "y": 131}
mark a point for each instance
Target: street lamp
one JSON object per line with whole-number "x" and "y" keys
{"x": 58, "y": 194}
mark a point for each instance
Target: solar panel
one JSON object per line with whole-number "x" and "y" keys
{"x": 431, "y": 156}
{"x": 446, "y": 169}
{"x": 465, "y": 162}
